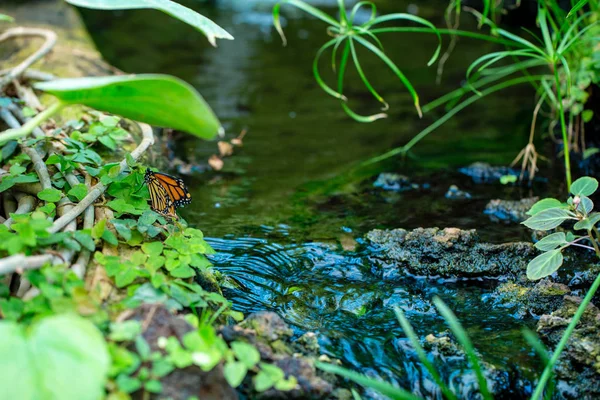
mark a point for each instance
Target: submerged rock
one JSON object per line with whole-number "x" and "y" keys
{"x": 543, "y": 298}
{"x": 454, "y": 193}
{"x": 509, "y": 210}
{"x": 578, "y": 369}
{"x": 449, "y": 252}
{"x": 485, "y": 173}
{"x": 394, "y": 182}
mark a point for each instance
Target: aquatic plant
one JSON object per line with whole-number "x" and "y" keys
{"x": 347, "y": 35}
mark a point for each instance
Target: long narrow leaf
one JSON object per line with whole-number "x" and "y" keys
{"x": 384, "y": 388}
{"x": 361, "y": 4}
{"x": 364, "y": 77}
{"x": 395, "y": 69}
{"x": 341, "y": 75}
{"x": 333, "y": 42}
{"x": 580, "y": 4}
{"x": 176, "y": 10}
{"x": 456, "y": 32}
{"x": 576, "y": 39}
{"x": 414, "y": 340}
{"x": 465, "y": 342}
{"x": 315, "y": 12}
{"x": 544, "y": 354}
{"x": 545, "y": 32}
{"x": 413, "y": 18}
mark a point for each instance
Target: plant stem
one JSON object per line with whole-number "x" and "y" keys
{"x": 563, "y": 127}
{"x": 13, "y": 134}
{"x": 593, "y": 240}
{"x": 565, "y": 338}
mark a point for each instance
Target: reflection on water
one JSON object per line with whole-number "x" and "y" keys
{"x": 279, "y": 241}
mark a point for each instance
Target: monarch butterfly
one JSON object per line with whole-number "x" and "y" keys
{"x": 166, "y": 192}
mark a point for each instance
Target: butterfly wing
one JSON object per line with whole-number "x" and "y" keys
{"x": 175, "y": 188}
{"x": 159, "y": 198}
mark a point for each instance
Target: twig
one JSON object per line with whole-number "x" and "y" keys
{"x": 37, "y": 131}
{"x": 41, "y": 52}
{"x": 20, "y": 263}
{"x": 26, "y": 204}
{"x": 80, "y": 266}
{"x": 38, "y": 164}
{"x": 99, "y": 188}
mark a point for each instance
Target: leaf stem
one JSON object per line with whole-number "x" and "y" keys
{"x": 563, "y": 128}
{"x": 13, "y": 134}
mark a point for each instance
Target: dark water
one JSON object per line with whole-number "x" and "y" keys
{"x": 285, "y": 229}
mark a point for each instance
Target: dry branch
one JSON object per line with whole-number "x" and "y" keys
{"x": 41, "y": 52}
{"x": 100, "y": 188}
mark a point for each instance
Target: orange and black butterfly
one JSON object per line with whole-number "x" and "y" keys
{"x": 167, "y": 193}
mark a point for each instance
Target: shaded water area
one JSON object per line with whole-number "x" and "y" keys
{"x": 290, "y": 240}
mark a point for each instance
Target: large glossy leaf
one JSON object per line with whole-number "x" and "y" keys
{"x": 160, "y": 100}
{"x": 544, "y": 204}
{"x": 62, "y": 357}
{"x": 585, "y": 186}
{"x": 189, "y": 16}
{"x": 544, "y": 264}
{"x": 552, "y": 241}
{"x": 548, "y": 219}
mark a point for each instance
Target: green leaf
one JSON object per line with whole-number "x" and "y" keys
{"x": 586, "y": 205}
{"x": 544, "y": 204}
{"x": 246, "y": 353}
{"x": 285, "y": 385}
{"x": 183, "y": 271}
{"x": 153, "y": 386}
{"x": 585, "y": 186}
{"x": 128, "y": 384}
{"x": 506, "y": 179}
{"x": 108, "y": 142}
{"x": 62, "y": 357}
{"x": 235, "y": 372}
{"x": 587, "y": 223}
{"x": 125, "y": 331}
{"x": 78, "y": 191}
{"x": 98, "y": 229}
{"x": 7, "y": 18}
{"x": 142, "y": 347}
{"x": 50, "y": 195}
{"x": 109, "y": 237}
{"x": 85, "y": 239}
{"x": 587, "y": 116}
{"x": 179, "y": 105}
{"x": 153, "y": 249}
{"x": 189, "y": 16}
{"x": 547, "y": 219}
{"x": 544, "y": 264}
{"x": 126, "y": 277}
{"x": 552, "y": 241}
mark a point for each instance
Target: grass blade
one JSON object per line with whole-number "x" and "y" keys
{"x": 414, "y": 340}
{"x": 471, "y": 35}
{"x": 334, "y": 42}
{"x": 545, "y": 32}
{"x": 315, "y": 12}
{"x": 364, "y": 77}
{"x": 580, "y": 4}
{"x": 343, "y": 15}
{"x": 413, "y": 18}
{"x": 465, "y": 342}
{"x": 384, "y": 388}
{"x": 544, "y": 354}
{"x": 358, "y": 6}
{"x": 395, "y": 69}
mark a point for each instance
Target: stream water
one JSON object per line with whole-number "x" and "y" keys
{"x": 292, "y": 241}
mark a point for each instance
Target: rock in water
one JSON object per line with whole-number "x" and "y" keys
{"x": 509, "y": 210}
{"x": 449, "y": 252}
{"x": 485, "y": 173}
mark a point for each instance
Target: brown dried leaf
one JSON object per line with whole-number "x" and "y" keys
{"x": 215, "y": 162}
{"x": 225, "y": 149}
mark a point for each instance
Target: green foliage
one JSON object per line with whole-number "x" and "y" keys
{"x": 190, "y": 17}
{"x": 16, "y": 175}
{"x": 152, "y": 98}
{"x": 549, "y": 214}
{"x": 61, "y": 357}
{"x": 6, "y": 18}
{"x": 347, "y": 35}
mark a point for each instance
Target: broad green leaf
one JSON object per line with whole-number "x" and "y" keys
{"x": 547, "y": 219}
{"x": 544, "y": 264}
{"x": 246, "y": 353}
{"x": 586, "y": 205}
{"x": 153, "y": 249}
{"x": 156, "y": 99}
{"x": 183, "y": 271}
{"x": 85, "y": 239}
{"x": 234, "y": 373}
{"x": 109, "y": 237}
{"x": 98, "y": 229}
{"x": 551, "y": 242}
{"x": 125, "y": 331}
{"x": 7, "y": 18}
{"x": 585, "y": 186}
{"x": 187, "y": 15}
{"x": 63, "y": 357}
{"x": 50, "y": 195}
{"x": 544, "y": 204}
{"x": 78, "y": 191}
{"x": 588, "y": 223}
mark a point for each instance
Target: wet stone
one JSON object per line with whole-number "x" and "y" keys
{"x": 485, "y": 173}
{"x": 454, "y": 193}
{"x": 544, "y": 297}
{"x": 578, "y": 369}
{"x": 449, "y": 252}
{"x": 394, "y": 182}
{"x": 509, "y": 210}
